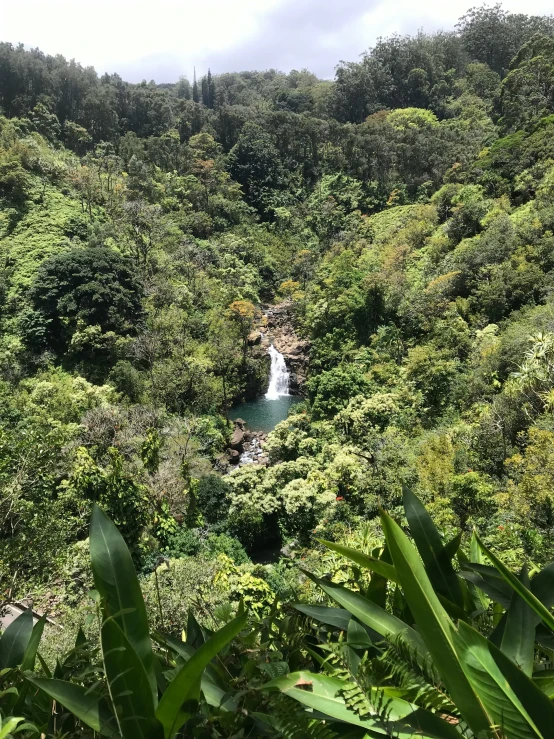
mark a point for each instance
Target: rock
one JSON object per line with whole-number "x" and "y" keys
{"x": 254, "y": 338}
{"x": 239, "y": 422}
{"x": 237, "y": 439}
{"x": 234, "y": 456}
{"x": 287, "y": 550}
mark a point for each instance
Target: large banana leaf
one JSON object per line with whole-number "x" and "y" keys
{"x": 391, "y": 718}
{"x": 434, "y": 625}
{"x": 436, "y": 557}
{"x": 545, "y": 681}
{"x": 494, "y": 587}
{"x": 371, "y": 615}
{"x": 511, "y": 698}
{"x": 185, "y": 687}
{"x": 116, "y": 581}
{"x": 15, "y": 639}
{"x": 85, "y": 704}
{"x": 128, "y": 684}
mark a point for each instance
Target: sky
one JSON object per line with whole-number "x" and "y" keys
{"x": 164, "y": 39}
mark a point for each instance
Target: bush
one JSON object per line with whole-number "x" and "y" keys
{"x": 217, "y": 544}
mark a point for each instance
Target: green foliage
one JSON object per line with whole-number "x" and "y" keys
{"x": 404, "y": 212}
{"x": 81, "y": 289}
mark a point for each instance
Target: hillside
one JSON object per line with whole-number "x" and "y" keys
{"x": 404, "y": 212}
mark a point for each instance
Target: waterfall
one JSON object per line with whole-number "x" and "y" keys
{"x": 279, "y": 376}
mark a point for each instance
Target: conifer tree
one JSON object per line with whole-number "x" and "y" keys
{"x": 195, "y": 94}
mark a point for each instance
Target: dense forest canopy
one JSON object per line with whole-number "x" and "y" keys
{"x": 403, "y": 212}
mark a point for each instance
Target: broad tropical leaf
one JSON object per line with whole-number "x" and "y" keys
{"x": 382, "y": 568}
{"x": 338, "y": 617}
{"x": 129, "y": 686}
{"x": 15, "y": 639}
{"x": 382, "y": 622}
{"x": 518, "y": 633}
{"x": 323, "y": 694}
{"x": 436, "y": 557}
{"x": 85, "y": 704}
{"x": 33, "y": 645}
{"x": 526, "y": 594}
{"x": 434, "y": 625}
{"x": 185, "y": 686}
{"x": 516, "y": 704}
{"x": 116, "y": 581}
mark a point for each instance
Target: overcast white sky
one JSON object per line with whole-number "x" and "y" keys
{"x": 163, "y": 39}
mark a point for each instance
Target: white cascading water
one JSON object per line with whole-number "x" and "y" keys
{"x": 279, "y": 376}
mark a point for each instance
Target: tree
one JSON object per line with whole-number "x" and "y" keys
{"x": 528, "y": 90}
{"x": 96, "y": 286}
{"x": 195, "y": 93}
{"x": 256, "y": 165}
{"x": 243, "y": 313}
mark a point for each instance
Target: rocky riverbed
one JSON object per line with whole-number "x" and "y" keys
{"x": 246, "y": 447}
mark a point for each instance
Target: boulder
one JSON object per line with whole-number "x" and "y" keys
{"x": 254, "y": 338}
{"x": 234, "y": 456}
{"x": 237, "y": 439}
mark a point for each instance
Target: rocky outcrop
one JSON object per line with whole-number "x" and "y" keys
{"x": 277, "y": 329}
{"x": 245, "y": 447}
{"x": 237, "y": 439}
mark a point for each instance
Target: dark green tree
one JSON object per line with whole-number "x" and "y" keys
{"x": 79, "y": 288}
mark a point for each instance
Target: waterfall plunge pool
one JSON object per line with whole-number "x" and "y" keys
{"x": 265, "y": 413}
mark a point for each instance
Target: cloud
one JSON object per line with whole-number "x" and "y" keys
{"x": 163, "y": 39}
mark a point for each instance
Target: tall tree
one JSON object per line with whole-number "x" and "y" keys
{"x": 195, "y": 93}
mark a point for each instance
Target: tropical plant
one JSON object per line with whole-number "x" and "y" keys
{"x": 430, "y": 649}
{"x": 138, "y": 691}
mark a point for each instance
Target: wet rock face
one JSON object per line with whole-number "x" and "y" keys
{"x": 279, "y": 331}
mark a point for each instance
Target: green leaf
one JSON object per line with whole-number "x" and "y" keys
{"x": 385, "y": 570}
{"x": 209, "y": 683}
{"x": 436, "y": 628}
{"x": 545, "y": 681}
{"x": 128, "y": 685}
{"x": 542, "y": 586}
{"x": 33, "y": 645}
{"x": 15, "y": 639}
{"x": 185, "y": 686}
{"x": 371, "y": 615}
{"x": 85, "y": 704}
{"x": 494, "y": 587}
{"x": 116, "y": 581}
{"x": 357, "y": 637}
{"x": 436, "y": 557}
{"x": 9, "y": 727}
{"x": 511, "y": 698}
{"x": 337, "y": 617}
{"x": 518, "y": 636}
{"x": 531, "y": 600}
{"x": 382, "y": 568}
{"x": 322, "y": 693}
